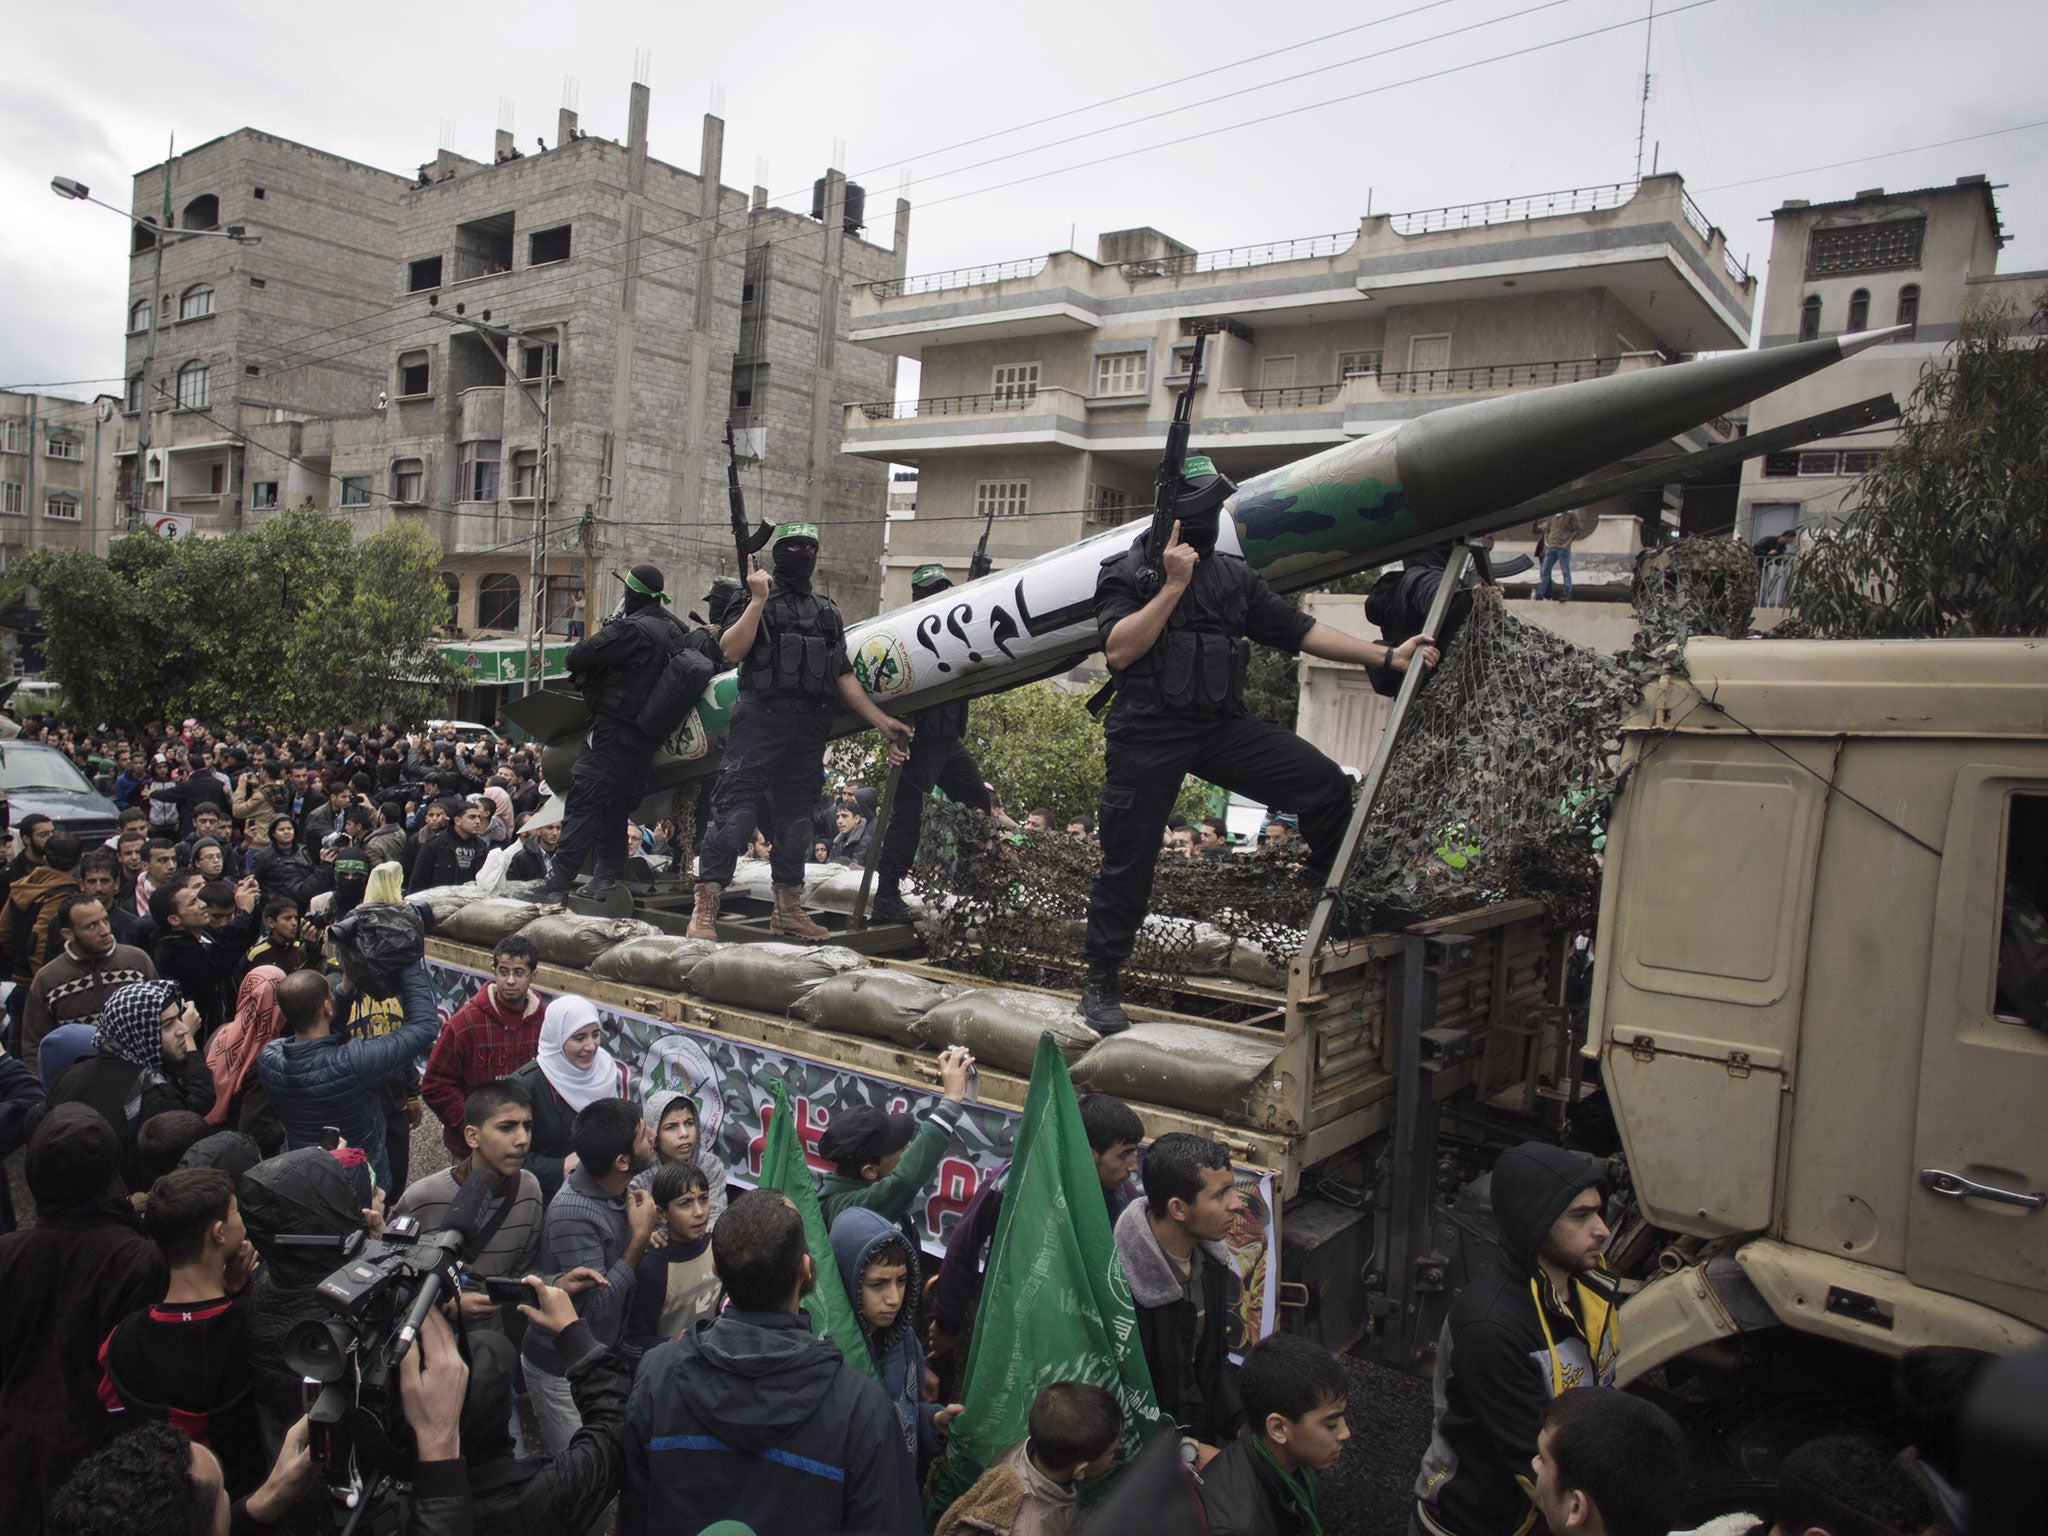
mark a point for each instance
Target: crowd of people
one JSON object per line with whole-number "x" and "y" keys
{"x": 213, "y": 1117}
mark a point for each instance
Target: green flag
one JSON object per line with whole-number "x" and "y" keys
{"x": 1054, "y": 1303}
{"x": 783, "y": 1168}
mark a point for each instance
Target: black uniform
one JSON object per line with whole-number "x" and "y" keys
{"x": 937, "y": 760}
{"x": 775, "y": 751}
{"x": 618, "y": 669}
{"x": 1179, "y": 709}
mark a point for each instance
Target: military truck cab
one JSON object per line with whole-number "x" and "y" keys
{"x": 1817, "y": 1011}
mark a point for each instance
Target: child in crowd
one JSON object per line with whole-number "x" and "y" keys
{"x": 674, "y": 1285}
{"x": 1030, "y": 1489}
{"x": 885, "y": 1160}
{"x": 880, "y": 1271}
{"x": 672, "y": 1117}
{"x": 280, "y": 944}
{"x": 1268, "y": 1481}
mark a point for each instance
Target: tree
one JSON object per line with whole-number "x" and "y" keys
{"x": 290, "y": 623}
{"x": 1950, "y": 534}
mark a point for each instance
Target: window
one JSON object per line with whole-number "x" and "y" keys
{"x": 525, "y": 461}
{"x": 1861, "y": 461}
{"x": 483, "y": 246}
{"x": 1183, "y": 358}
{"x": 1909, "y": 310}
{"x": 138, "y": 317}
{"x": 203, "y": 212}
{"x": 2021, "y": 982}
{"x": 131, "y": 398}
{"x": 1121, "y": 373}
{"x": 64, "y": 445}
{"x": 1781, "y": 465}
{"x": 1015, "y": 381}
{"x": 408, "y": 482}
{"x": 1276, "y": 372}
{"x": 195, "y": 302}
{"x": 142, "y": 237}
{"x": 1823, "y": 461}
{"x": 1352, "y": 365}
{"x": 1005, "y": 498}
{"x": 1107, "y": 504}
{"x": 13, "y": 435}
{"x": 546, "y": 245}
{"x": 415, "y": 376}
{"x": 451, "y": 584}
{"x": 1859, "y": 310}
{"x": 257, "y": 282}
{"x": 423, "y": 274}
{"x": 12, "y": 498}
{"x": 562, "y": 601}
{"x": 1427, "y": 354}
{"x": 536, "y": 361}
{"x": 263, "y": 495}
{"x": 1865, "y": 248}
{"x": 479, "y": 470}
{"x": 192, "y": 391}
{"x": 61, "y": 506}
{"x": 497, "y": 602}
{"x": 355, "y": 490}
{"x": 1809, "y": 318}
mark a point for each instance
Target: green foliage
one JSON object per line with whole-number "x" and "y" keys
{"x": 289, "y": 623}
{"x": 1950, "y": 536}
{"x": 1272, "y": 680}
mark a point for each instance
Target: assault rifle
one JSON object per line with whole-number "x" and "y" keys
{"x": 1171, "y": 484}
{"x": 980, "y": 565}
{"x": 744, "y": 543}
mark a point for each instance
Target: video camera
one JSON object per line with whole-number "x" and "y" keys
{"x": 379, "y": 1298}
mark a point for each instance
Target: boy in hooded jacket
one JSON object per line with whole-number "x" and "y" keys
{"x": 1540, "y": 1324}
{"x": 880, "y": 1272}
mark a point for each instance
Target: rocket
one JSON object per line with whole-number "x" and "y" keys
{"x": 1458, "y": 472}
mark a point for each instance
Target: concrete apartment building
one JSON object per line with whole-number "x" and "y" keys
{"x": 1048, "y": 383}
{"x": 1917, "y": 258}
{"x": 57, "y": 481}
{"x": 652, "y": 304}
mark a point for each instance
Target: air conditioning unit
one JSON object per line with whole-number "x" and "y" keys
{"x": 153, "y": 466}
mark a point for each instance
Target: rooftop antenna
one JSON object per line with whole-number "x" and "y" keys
{"x": 572, "y": 92}
{"x": 1643, "y": 110}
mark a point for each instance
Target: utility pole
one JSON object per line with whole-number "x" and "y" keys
{"x": 589, "y": 553}
{"x": 543, "y": 405}
{"x": 1643, "y": 110}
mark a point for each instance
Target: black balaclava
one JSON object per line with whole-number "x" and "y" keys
{"x": 794, "y": 563}
{"x": 1201, "y": 508}
{"x": 649, "y": 590}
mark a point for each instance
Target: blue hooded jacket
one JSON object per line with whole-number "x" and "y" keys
{"x": 856, "y": 1234}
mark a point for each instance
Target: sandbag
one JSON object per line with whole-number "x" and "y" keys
{"x": 661, "y": 960}
{"x": 752, "y": 878}
{"x": 377, "y": 943}
{"x": 444, "y": 901}
{"x": 1249, "y": 964}
{"x": 881, "y": 1005}
{"x": 486, "y": 920}
{"x": 1183, "y": 945}
{"x": 566, "y": 939}
{"x": 836, "y": 888}
{"x": 1185, "y": 1066}
{"x": 768, "y": 978}
{"x": 1001, "y": 1026}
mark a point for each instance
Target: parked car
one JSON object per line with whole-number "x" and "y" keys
{"x": 40, "y": 780}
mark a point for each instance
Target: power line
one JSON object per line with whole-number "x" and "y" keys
{"x": 1889, "y": 154}
{"x": 13, "y": 389}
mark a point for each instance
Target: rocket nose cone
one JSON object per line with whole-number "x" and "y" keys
{"x": 1858, "y": 341}
{"x": 1470, "y": 460}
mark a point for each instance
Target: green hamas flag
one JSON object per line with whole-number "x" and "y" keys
{"x": 1054, "y": 1303}
{"x": 783, "y": 1168}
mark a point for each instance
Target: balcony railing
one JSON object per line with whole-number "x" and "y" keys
{"x": 1305, "y": 248}
{"x": 948, "y": 405}
{"x": 1292, "y": 397}
{"x": 959, "y": 277}
{"x": 1493, "y": 376}
{"x": 1513, "y": 210}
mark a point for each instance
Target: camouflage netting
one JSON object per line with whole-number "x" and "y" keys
{"x": 1500, "y": 787}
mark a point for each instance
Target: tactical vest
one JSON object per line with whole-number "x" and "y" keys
{"x": 791, "y": 665}
{"x": 620, "y": 688}
{"x": 1197, "y": 665}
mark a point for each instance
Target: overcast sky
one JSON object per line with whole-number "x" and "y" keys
{"x": 1753, "y": 101}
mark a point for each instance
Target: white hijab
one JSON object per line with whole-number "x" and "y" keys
{"x": 604, "y": 1078}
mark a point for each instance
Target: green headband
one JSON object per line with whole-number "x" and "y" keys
{"x": 790, "y": 531}
{"x": 1195, "y": 466}
{"x": 925, "y": 573}
{"x": 635, "y": 584}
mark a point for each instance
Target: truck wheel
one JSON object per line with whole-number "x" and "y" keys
{"x": 1737, "y": 1446}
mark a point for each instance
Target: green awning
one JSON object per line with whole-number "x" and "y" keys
{"x": 489, "y": 662}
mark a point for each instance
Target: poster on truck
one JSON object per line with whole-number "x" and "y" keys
{"x": 728, "y": 1078}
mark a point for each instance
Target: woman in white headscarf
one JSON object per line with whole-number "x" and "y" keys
{"x": 573, "y": 1069}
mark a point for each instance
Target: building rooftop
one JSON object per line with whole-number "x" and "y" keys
{"x": 1976, "y": 183}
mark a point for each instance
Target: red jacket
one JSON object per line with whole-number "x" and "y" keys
{"x": 479, "y": 1044}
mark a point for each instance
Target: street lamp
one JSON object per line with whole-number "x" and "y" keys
{"x": 78, "y": 191}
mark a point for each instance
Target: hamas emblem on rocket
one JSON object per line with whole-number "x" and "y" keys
{"x": 882, "y": 664}
{"x": 689, "y": 742}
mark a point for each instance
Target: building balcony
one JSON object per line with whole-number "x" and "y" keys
{"x": 1633, "y": 239}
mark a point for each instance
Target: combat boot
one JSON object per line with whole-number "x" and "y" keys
{"x": 1102, "y": 1008}
{"x": 554, "y": 890}
{"x": 889, "y": 905}
{"x": 791, "y": 920}
{"x": 704, "y": 918}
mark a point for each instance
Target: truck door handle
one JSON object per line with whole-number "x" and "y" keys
{"x": 1955, "y": 1187}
